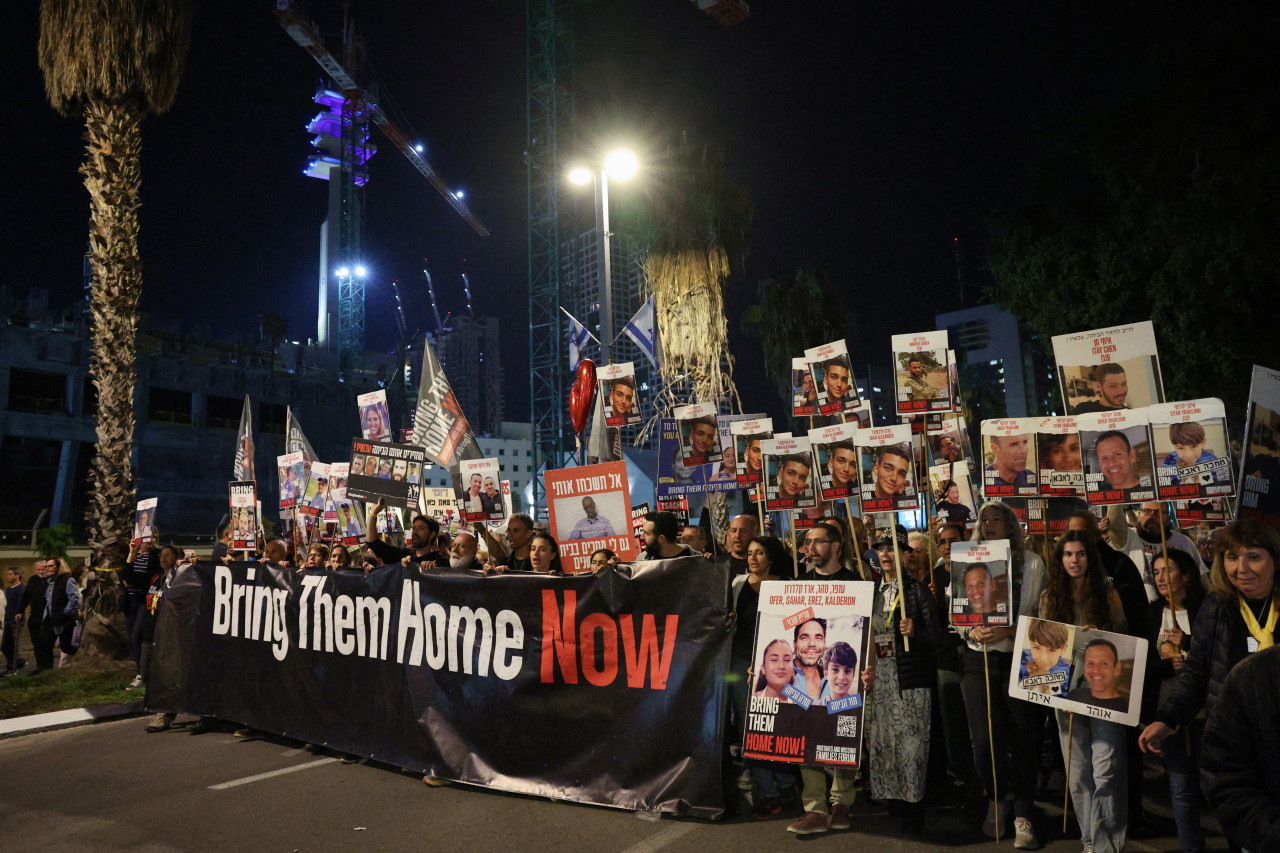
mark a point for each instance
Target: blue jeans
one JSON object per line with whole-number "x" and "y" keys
{"x": 1097, "y": 757}
{"x": 1183, "y": 768}
{"x": 771, "y": 777}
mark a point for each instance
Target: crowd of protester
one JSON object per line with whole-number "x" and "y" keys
{"x": 939, "y": 714}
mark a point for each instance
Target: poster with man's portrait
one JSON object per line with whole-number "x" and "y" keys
{"x": 1260, "y": 463}
{"x": 699, "y": 433}
{"x": 806, "y": 700}
{"x": 953, "y": 493}
{"x": 480, "y": 498}
{"x": 835, "y": 454}
{"x": 980, "y": 583}
{"x": 1192, "y": 455}
{"x": 243, "y": 505}
{"x": 1104, "y": 370}
{"x": 887, "y": 466}
{"x": 144, "y": 522}
{"x": 953, "y": 380}
{"x": 1100, "y": 674}
{"x": 922, "y": 381}
{"x": 948, "y": 440}
{"x": 293, "y": 478}
{"x": 1009, "y": 458}
{"x": 338, "y": 474}
{"x": 315, "y": 498}
{"x": 1117, "y": 459}
{"x": 590, "y": 508}
{"x": 749, "y": 459}
{"x": 788, "y": 468}
{"x": 837, "y": 391}
{"x": 381, "y": 470}
{"x": 804, "y": 391}
{"x": 1058, "y": 452}
{"x": 617, "y": 389}
{"x": 375, "y": 420}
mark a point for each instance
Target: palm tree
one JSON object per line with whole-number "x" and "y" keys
{"x": 114, "y": 63}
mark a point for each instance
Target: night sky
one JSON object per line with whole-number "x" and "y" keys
{"x": 871, "y": 136}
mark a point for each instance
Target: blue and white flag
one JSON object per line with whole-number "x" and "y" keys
{"x": 578, "y": 337}
{"x": 643, "y": 329}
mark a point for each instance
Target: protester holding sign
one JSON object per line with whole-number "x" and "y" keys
{"x": 1077, "y": 593}
{"x": 1168, "y": 634}
{"x": 422, "y": 541}
{"x": 899, "y": 718}
{"x": 1014, "y": 726}
{"x": 1238, "y": 617}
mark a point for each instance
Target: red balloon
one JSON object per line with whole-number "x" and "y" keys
{"x": 582, "y": 395}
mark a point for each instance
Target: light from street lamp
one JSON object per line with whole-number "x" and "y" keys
{"x": 580, "y": 175}
{"x": 622, "y": 165}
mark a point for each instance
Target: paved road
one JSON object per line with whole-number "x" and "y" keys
{"x": 112, "y": 787}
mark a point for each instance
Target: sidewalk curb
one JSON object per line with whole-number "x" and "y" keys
{"x": 70, "y": 718}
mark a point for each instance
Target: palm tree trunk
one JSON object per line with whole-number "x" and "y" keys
{"x": 112, "y": 174}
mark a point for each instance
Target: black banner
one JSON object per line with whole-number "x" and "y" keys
{"x": 604, "y": 689}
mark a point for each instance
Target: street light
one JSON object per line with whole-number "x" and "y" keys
{"x": 621, "y": 165}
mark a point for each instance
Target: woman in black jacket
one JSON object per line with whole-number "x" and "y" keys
{"x": 1168, "y": 635}
{"x": 898, "y": 718}
{"x": 1238, "y": 617}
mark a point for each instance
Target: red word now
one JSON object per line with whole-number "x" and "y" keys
{"x": 593, "y": 645}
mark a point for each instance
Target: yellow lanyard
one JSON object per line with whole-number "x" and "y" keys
{"x": 1264, "y": 634}
{"x": 888, "y": 621}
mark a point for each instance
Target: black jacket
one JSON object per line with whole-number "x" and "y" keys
{"x": 1240, "y": 752}
{"x": 1127, "y": 582}
{"x": 1160, "y": 669}
{"x": 33, "y": 597}
{"x": 918, "y": 667}
{"x": 1218, "y": 643}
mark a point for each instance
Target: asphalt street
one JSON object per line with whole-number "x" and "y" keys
{"x": 111, "y": 786}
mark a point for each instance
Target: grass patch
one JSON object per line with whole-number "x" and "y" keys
{"x": 76, "y": 686}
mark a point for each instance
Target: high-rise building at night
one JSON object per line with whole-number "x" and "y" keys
{"x": 1000, "y": 354}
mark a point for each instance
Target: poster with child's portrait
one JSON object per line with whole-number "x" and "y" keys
{"x": 806, "y": 698}
{"x": 1104, "y": 671}
{"x": 1189, "y": 442}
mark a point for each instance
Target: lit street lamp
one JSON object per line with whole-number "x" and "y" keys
{"x": 621, "y": 165}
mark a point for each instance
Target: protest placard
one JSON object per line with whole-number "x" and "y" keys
{"x": 835, "y": 458}
{"x": 244, "y": 522}
{"x": 382, "y": 473}
{"x": 1058, "y": 454}
{"x": 837, "y": 391}
{"x": 980, "y": 583}
{"x": 1116, "y": 452}
{"x": 1260, "y": 463}
{"x": 747, "y": 436}
{"x": 804, "y": 393}
{"x": 922, "y": 382}
{"x": 590, "y": 508}
{"x": 375, "y": 420}
{"x": 1083, "y": 670}
{"x": 806, "y": 700}
{"x": 480, "y": 497}
{"x": 699, "y": 433}
{"x": 887, "y": 464}
{"x": 617, "y": 389}
{"x": 316, "y": 497}
{"x": 144, "y": 518}
{"x": 1193, "y": 456}
{"x": 1103, "y": 370}
{"x": 788, "y": 472}
{"x": 953, "y": 495}
{"x": 293, "y": 478}
{"x": 1009, "y": 458}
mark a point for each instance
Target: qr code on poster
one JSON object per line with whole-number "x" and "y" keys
{"x": 846, "y": 726}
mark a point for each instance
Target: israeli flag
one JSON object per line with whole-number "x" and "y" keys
{"x": 643, "y": 329}
{"x": 578, "y": 337}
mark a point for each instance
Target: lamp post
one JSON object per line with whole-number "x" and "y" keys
{"x": 621, "y": 165}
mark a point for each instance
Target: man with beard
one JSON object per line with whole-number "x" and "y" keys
{"x": 822, "y": 556}
{"x": 917, "y": 383}
{"x": 661, "y": 533}
{"x": 1112, "y": 386}
{"x": 422, "y": 541}
{"x": 1143, "y": 544}
{"x": 462, "y": 554}
{"x": 741, "y": 530}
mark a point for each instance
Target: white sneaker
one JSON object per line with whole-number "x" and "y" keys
{"x": 137, "y": 683}
{"x": 1024, "y": 835}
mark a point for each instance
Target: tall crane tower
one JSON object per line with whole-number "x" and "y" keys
{"x": 342, "y": 137}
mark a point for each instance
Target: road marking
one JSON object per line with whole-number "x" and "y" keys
{"x": 283, "y": 770}
{"x": 662, "y": 839}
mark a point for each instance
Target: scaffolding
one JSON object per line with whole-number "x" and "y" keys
{"x": 549, "y": 131}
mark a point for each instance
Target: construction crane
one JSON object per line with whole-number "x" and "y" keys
{"x": 431, "y": 291}
{"x": 466, "y": 288}
{"x": 400, "y": 321}
{"x": 352, "y": 107}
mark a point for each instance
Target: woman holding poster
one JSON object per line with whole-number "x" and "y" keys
{"x": 1238, "y": 617}
{"x": 898, "y": 720}
{"x": 1077, "y": 593}
{"x": 1014, "y": 726}
{"x": 1168, "y": 634}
